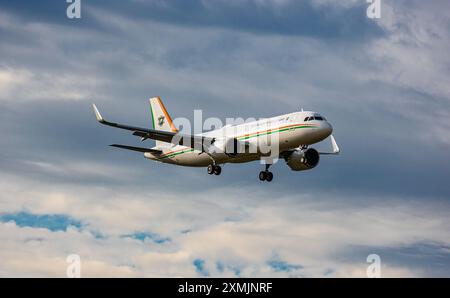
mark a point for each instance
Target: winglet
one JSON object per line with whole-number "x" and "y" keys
{"x": 335, "y": 146}
{"x": 97, "y": 114}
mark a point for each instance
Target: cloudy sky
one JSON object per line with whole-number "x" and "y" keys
{"x": 383, "y": 84}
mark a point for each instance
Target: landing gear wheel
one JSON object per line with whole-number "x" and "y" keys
{"x": 265, "y": 176}
{"x": 262, "y": 175}
{"x": 213, "y": 169}
{"x": 210, "y": 169}
{"x": 217, "y": 170}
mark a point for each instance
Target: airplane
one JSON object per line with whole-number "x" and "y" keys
{"x": 287, "y": 136}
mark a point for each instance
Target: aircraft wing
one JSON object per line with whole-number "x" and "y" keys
{"x": 193, "y": 141}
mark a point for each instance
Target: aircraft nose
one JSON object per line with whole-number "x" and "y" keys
{"x": 327, "y": 129}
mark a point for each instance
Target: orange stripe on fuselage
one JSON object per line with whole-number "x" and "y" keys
{"x": 170, "y": 152}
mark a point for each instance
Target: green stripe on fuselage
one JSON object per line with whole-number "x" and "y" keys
{"x": 272, "y": 131}
{"x": 177, "y": 153}
{"x": 243, "y": 138}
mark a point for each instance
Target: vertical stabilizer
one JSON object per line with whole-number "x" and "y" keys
{"x": 160, "y": 118}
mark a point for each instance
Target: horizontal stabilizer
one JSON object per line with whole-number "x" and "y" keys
{"x": 138, "y": 149}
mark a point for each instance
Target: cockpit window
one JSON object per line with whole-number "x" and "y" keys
{"x": 318, "y": 118}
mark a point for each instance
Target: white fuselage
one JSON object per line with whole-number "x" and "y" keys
{"x": 287, "y": 131}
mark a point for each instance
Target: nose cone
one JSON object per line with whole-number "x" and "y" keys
{"x": 327, "y": 129}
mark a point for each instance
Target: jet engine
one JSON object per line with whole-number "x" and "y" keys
{"x": 301, "y": 160}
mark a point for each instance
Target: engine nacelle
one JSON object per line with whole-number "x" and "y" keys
{"x": 301, "y": 160}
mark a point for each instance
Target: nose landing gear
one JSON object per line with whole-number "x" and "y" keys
{"x": 266, "y": 175}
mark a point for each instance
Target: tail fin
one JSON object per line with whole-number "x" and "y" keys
{"x": 160, "y": 118}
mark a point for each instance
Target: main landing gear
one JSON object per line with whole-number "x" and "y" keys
{"x": 213, "y": 169}
{"x": 266, "y": 175}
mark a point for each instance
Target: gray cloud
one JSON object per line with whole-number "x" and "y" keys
{"x": 303, "y": 235}
{"x": 321, "y": 19}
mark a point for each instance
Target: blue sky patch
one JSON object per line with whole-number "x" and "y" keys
{"x": 221, "y": 267}
{"x": 200, "y": 267}
{"x": 282, "y": 266}
{"x": 52, "y": 222}
{"x": 143, "y": 236}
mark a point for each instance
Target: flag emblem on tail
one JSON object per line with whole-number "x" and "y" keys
{"x": 160, "y": 120}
